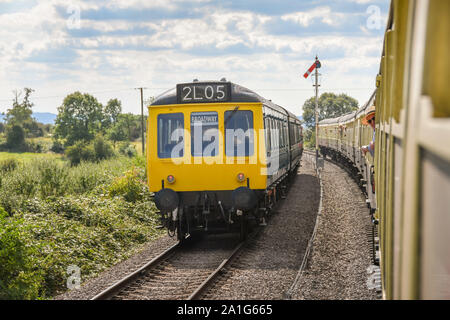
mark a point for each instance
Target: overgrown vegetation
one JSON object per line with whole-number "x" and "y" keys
{"x": 72, "y": 194}
{"x": 53, "y": 215}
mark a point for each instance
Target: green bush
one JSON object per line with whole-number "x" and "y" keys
{"x": 80, "y": 151}
{"x": 127, "y": 149}
{"x": 53, "y": 178}
{"x": 102, "y": 148}
{"x": 99, "y": 149}
{"x": 15, "y": 137}
{"x": 130, "y": 186}
{"x": 57, "y": 147}
{"x": 19, "y": 278}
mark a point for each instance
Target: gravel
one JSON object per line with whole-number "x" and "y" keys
{"x": 266, "y": 269}
{"x": 340, "y": 257}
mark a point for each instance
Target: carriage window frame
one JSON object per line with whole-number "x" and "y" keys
{"x": 179, "y": 116}
{"x": 231, "y": 115}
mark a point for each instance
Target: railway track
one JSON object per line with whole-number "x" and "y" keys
{"x": 182, "y": 272}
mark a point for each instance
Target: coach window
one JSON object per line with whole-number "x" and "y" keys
{"x": 171, "y": 135}
{"x": 239, "y": 135}
{"x": 285, "y": 134}
{"x": 293, "y": 136}
{"x": 267, "y": 134}
{"x": 204, "y": 134}
{"x": 274, "y": 134}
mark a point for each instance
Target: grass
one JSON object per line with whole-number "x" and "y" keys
{"x": 28, "y": 156}
{"x": 138, "y": 146}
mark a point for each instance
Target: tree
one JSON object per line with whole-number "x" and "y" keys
{"x": 330, "y": 106}
{"x": 112, "y": 110}
{"x": 117, "y": 132}
{"x": 131, "y": 124}
{"x": 79, "y": 118}
{"x": 20, "y": 113}
{"x": 15, "y": 137}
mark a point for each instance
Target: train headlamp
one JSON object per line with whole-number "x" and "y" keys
{"x": 170, "y": 179}
{"x": 241, "y": 177}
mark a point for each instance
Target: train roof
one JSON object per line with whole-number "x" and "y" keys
{"x": 351, "y": 115}
{"x": 328, "y": 121}
{"x": 238, "y": 94}
{"x": 347, "y": 117}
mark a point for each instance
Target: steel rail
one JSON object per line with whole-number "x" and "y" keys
{"x": 205, "y": 285}
{"x": 116, "y": 287}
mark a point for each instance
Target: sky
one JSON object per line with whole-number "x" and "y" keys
{"x": 109, "y": 48}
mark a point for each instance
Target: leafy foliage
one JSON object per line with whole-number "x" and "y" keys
{"x": 130, "y": 186}
{"x": 80, "y": 151}
{"x": 20, "y": 113}
{"x": 79, "y": 118}
{"x": 92, "y": 215}
{"x": 15, "y": 137}
{"x": 19, "y": 277}
{"x": 112, "y": 110}
{"x": 97, "y": 150}
{"x": 102, "y": 148}
{"x": 127, "y": 149}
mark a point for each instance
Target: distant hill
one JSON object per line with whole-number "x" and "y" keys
{"x": 42, "y": 117}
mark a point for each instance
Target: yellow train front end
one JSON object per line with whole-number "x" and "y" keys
{"x": 192, "y": 170}
{"x": 208, "y": 163}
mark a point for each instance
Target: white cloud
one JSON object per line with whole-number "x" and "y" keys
{"x": 324, "y": 14}
{"x": 176, "y": 50}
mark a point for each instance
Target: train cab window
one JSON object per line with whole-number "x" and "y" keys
{"x": 239, "y": 135}
{"x": 204, "y": 134}
{"x": 171, "y": 135}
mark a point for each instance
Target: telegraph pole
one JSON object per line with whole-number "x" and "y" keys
{"x": 142, "y": 119}
{"x": 316, "y": 109}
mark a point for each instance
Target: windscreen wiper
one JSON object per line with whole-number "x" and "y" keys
{"x": 231, "y": 115}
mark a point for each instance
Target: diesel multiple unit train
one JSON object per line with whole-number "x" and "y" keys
{"x": 407, "y": 179}
{"x": 219, "y": 156}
